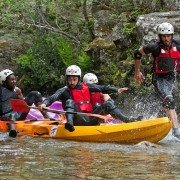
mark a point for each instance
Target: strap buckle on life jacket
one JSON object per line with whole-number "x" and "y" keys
{"x": 83, "y": 102}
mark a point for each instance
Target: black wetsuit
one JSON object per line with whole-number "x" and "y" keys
{"x": 64, "y": 95}
{"x": 5, "y": 106}
{"x": 164, "y": 83}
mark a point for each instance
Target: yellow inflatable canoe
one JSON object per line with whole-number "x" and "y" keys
{"x": 152, "y": 130}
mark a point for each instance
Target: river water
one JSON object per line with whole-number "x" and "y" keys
{"x": 38, "y": 158}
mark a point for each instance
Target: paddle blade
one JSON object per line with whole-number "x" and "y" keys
{"x": 19, "y": 105}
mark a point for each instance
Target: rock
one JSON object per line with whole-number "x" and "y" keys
{"x": 156, "y": 5}
{"x": 144, "y": 144}
{"x": 147, "y": 24}
{"x": 103, "y": 23}
{"x": 171, "y": 5}
{"x": 9, "y": 49}
{"x": 102, "y": 43}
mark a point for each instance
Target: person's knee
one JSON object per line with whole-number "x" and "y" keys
{"x": 109, "y": 105}
{"x": 34, "y": 97}
{"x": 106, "y": 97}
{"x": 168, "y": 102}
{"x": 69, "y": 104}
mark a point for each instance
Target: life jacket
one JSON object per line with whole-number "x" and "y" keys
{"x": 167, "y": 61}
{"x": 96, "y": 99}
{"x": 81, "y": 97}
{"x": 6, "y": 95}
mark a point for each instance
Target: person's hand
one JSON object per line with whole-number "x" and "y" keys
{"x": 42, "y": 107}
{"x": 139, "y": 78}
{"x": 19, "y": 93}
{"x": 120, "y": 90}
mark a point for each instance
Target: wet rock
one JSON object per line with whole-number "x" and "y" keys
{"x": 145, "y": 144}
{"x": 147, "y": 24}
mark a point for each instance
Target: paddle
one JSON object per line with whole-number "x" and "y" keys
{"x": 21, "y": 106}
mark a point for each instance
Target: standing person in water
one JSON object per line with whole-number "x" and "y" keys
{"x": 9, "y": 90}
{"x": 166, "y": 65}
{"x": 76, "y": 97}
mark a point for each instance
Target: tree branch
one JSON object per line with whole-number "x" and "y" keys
{"x": 50, "y": 28}
{"x": 89, "y": 25}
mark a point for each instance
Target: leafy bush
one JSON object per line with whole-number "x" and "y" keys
{"x": 43, "y": 66}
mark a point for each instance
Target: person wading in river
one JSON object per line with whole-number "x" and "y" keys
{"x": 166, "y": 65}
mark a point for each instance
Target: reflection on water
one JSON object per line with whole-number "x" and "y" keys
{"x": 37, "y": 158}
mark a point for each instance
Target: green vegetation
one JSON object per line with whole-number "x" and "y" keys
{"x": 44, "y": 64}
{"x": 55, "y": 35}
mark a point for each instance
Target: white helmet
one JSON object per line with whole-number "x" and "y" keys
{"x": 4, "y": 74}
{"x": 73, "y": 70}
{"x": 90, "y": 78}
{"x": 165, "y": 28}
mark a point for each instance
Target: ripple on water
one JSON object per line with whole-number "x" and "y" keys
{"x": 31, "y": 158}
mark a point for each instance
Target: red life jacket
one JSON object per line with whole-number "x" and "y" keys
{"x": 167, "y": 61}
{"x": 81, "y": 98}
{"x": 96, "y": 99}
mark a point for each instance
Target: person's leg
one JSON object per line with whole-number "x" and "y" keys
{"x": 82, "y": 120}
{"x": 171, "y": 113}
{"x": 110, "y": 108}
{"x": 12, "y": 130}
{"x": 11, "y": 126}
{"x": 105, "y": 97}
{"x": 22, "y": 116}
{"x": 69, "y": 125}
{"x": 77, "y": 120}
{"x": 164, "y": 87}
{"x": 34, "y": 97}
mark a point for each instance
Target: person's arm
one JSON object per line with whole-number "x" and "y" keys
{"x": 19, "y": 93}
{"x": 120, "y": 90}
{"x": 139, "y": 78}
{"x": 55, "y": 97}
{"x": 151, "y": 48}
{"x": 103, "y": 88}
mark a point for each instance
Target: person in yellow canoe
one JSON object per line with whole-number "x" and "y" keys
{"x": 76, "y": 97}
{"x": 9, "y": 90}
{"x": 98, "y": 98}
{"x": 166, "y": 68}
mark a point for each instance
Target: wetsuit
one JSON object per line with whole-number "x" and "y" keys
{"x": 64, "y": 95}
{"x": 5, "y": 106}
{"x": 165, "y": 68}
{"x": 96, "y": 99}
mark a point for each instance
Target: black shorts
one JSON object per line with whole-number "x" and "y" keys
{"x": 165, "y": 85}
